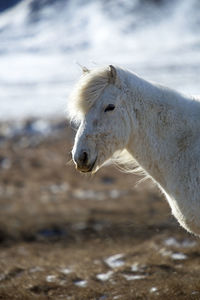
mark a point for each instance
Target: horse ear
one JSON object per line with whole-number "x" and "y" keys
{"x": 112, "y": 74}
{"x": 85, "y": 70}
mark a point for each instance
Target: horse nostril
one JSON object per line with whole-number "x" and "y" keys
{"x": 83, "y": 157}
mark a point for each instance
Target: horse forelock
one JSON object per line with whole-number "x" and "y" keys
{"x": 87, "y": 91}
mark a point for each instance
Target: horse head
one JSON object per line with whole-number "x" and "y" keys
{"x": 103, "y": 118}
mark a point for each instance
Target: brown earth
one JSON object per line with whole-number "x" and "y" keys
{"x": 68, "y": 236}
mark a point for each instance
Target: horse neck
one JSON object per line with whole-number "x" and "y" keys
{"x": 158, "y": 117}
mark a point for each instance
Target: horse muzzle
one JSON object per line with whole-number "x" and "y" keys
{"x": 83, "y": 162}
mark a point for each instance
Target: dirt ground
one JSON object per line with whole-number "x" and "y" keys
{"x": 68, "y": 236}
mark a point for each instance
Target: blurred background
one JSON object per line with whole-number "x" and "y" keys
{"x": 68, "y": 236}
{"x": 41, "y": 42}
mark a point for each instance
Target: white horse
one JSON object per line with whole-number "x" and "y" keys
{"x": 158, "y": 128}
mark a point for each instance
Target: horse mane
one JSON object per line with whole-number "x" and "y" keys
{"x": 86, "y": 92}
{"x": 126, "y": 163}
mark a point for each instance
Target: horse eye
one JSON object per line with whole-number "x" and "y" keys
{"x": 109, "y": 107}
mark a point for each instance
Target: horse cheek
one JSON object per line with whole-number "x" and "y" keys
{"x": 122, "y": 133}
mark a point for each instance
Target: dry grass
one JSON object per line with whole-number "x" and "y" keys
{"x": 57, "y": 228}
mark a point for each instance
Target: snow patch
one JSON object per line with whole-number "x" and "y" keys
{"x": 134, "y": 277}
{"x": 81, "y": 283}
{"x": 174, "y": 243}
{"x": 104, "y": 276}
{"x": 51, "y": 278}
{"x": 178, "y": 256}
{"x": 115, "y": 261}
{"x": 65, "y": 271}
{"x": 153, "y": 289}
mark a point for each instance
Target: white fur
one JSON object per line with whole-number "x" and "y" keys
{"x": 157, "y": 127}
